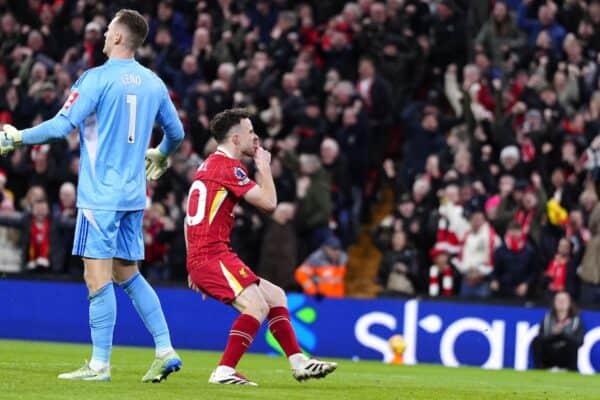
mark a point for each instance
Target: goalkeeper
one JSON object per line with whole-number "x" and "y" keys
{"x": 114, "y": 106}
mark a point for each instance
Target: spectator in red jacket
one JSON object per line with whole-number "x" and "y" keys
{"x": 158, "y": 228}
{"x": 556, "y": 272}
{"x": 441, "y": 273}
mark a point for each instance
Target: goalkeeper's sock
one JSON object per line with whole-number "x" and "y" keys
{"x": 103, "y": 315}
{"x": 242, "y": 334}
{"x": 98, "y": 366}
{"x": 146, "y": 303}
{"x": 281, "y": 328}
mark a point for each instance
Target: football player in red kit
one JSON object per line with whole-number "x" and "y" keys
{"x": 213, "y": 268}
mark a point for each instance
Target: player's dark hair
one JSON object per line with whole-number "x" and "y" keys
{"x": 136, "y": 25}
{"x": 225, "y": 120}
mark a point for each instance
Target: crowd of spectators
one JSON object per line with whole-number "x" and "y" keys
{"x": 481, "y": 116}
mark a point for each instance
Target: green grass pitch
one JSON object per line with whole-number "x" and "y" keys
{"x": 28, "y": 371}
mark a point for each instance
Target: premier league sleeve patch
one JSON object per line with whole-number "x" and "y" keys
{"x": 72, "y": 97}
{"x": 241, "y": 176}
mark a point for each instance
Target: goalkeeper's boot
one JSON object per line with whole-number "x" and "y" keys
{"x": 233, "y": 378}
{"x": 162, "y": 367}
{"x": 313, "y": 369}
{"x": 85, "y": 373}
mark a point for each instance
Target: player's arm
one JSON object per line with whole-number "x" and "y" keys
{"x": 55, "y": 128}
{"x": 81, "y": 103}
{"x": 170, "y": 123}
{"x": 52, "y": 129}
{"x": 157, "y": 160}
{"x": 263, "y": 196}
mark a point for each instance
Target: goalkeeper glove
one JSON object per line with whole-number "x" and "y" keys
{"x": 156, "y": 164}
{"x": 10, "y": 139}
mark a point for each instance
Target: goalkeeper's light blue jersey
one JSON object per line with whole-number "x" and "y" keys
{"x": 115, "y": 106}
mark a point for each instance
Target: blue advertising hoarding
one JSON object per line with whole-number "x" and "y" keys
{"x": 445, "y": 333}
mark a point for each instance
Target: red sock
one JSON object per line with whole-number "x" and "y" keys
{"x": 281, "y": 327}
{"x": 242, "y": 334}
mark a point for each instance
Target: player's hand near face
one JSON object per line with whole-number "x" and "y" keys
{"x": 263, "y": 195}
{"x": 262, "y": 158}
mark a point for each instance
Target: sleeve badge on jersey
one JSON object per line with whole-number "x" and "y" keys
{"x": 241, "y": 176}
{"x": 72, "y": 97}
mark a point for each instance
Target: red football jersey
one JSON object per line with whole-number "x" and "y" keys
{"x": 218, "y": 185}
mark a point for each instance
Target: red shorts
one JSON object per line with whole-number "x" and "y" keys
{"x": 223, "y": 277}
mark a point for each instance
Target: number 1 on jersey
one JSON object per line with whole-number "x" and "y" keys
{"x": 132, "y": 101}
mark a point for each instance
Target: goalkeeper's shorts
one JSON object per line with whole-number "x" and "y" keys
{"x": 109, "y": 234}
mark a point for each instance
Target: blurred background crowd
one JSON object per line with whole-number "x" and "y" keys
{"x": 472, "y": 124}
